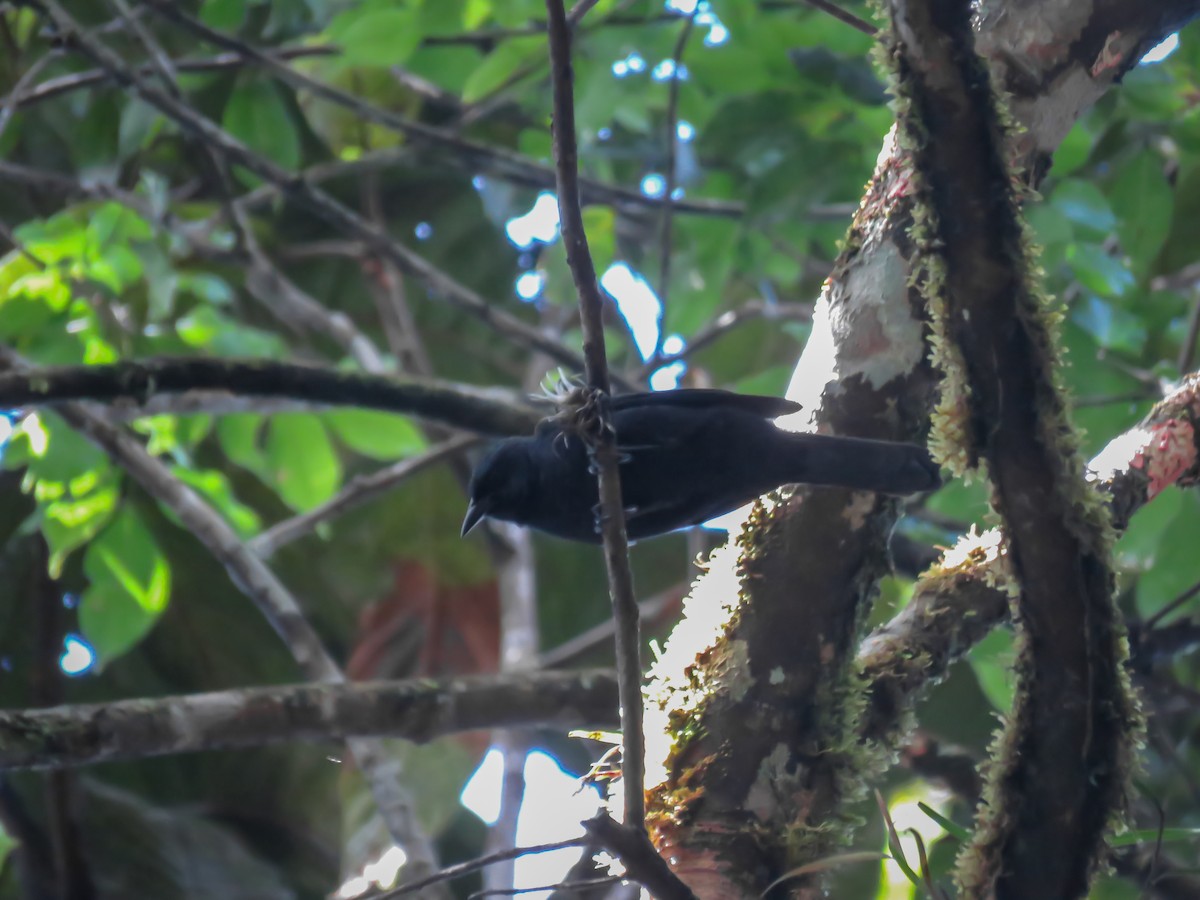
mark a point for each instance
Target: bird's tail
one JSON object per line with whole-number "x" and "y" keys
{"x": 863, "y": 465}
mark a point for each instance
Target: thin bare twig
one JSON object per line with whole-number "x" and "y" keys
{"x": 1181, "y": 599}
{"x": 669, "y": 179}
{"x": 1187, "y": 350}
{"x": 583, "y": 643}
{"x": 358, "y": 491}
{"x": 18, "y": 93}
{"x": 64, "y": 84}
{"x": 726, "y": 322}
{"x": 832, "y": 9}
{"x": 474, "y": 865}
{"x": 604, "y": 450}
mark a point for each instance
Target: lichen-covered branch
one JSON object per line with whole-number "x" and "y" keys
{"x": 1063, "y": 762}
{"x": 418, "y": 710}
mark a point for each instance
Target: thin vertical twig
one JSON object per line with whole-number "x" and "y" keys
{"x": 842, "y": 15}
{"x": 519, "y": 643}
{"x": 669, "y": 179}
{"x": 616, "y": 549}
{"x": 1187, "y": 350}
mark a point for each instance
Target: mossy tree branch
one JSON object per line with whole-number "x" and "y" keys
{"x": 1065, "y": 757}
{"x": 753, "y": 691}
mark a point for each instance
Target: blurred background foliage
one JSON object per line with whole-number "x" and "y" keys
{"x": 116, "y": 245}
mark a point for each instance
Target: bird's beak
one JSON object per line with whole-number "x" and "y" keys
{"x": 471, "y": 519}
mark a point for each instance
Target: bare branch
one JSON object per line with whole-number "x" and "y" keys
{"x": 482, "y": 410}
{"x": 668, "y": 210}
{"x": 64, "y": 84}
{"x": 417, "y": 710}
{"x": 474, "y": 865}
{"x": 603, "y": 444}
{"x": 842, "y": 15}
{"x": 728, "y": 321}
{"x": 360, "y": 490}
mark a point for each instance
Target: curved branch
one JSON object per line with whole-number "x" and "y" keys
{"x": 1073, "y": 725}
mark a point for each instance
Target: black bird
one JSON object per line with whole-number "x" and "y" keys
{"x": 686, "y": 457}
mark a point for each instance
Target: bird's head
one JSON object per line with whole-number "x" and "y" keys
{"x": 501, "y": 485}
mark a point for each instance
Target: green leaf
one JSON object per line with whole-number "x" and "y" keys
{"x": 140, "y": 123}
{"x": 951, "y": 827}
{"x": 1172, "y": 568}
{"x": 302, "y": 461}
{"x": 129, "y": 586}
{"x": 1113, "y": 327}
{"x": 60, "y": 453}
{"x": 238, "y": 435}
{"x": 378, "y": 435}
{"x": 1099, "y": 272}
{"x": 599, "y": 223}
{"x": 500, "y": 64}
{"x": 215, "y": 487}
{"x": 376, "y": 34}
{"x": 1074, "y": 150}
{"x": 475, "y": 13}
{"x": 1084, "y": 204}
{"x": 1138, "y": 547}
{"x": 991, "y": 660}
{"x": 1143, "y": 202}
{"x": 212, "y": 330}
{"x": 257, "y": 116}
{"x": 1049, "y": 223}
{"x": 206, "y": 287}
{"x": 72, "y": 521}
{"x": 1181, "y": 246}
{"x": 1154, "y": 835}
{"x": 223, "y": 15}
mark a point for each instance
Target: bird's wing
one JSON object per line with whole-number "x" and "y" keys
{"x": 698, "y": 398}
